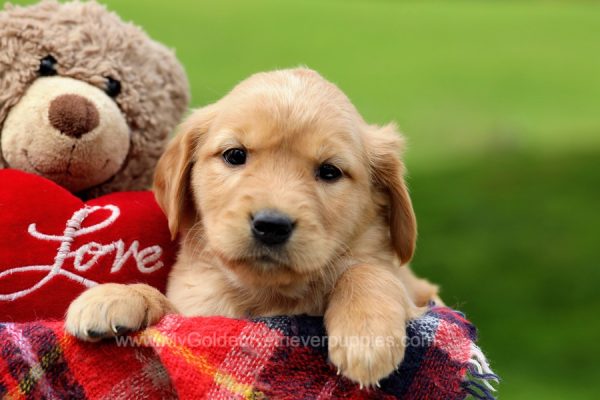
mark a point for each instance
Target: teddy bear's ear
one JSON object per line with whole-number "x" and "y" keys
{"x": 172, "y": 175}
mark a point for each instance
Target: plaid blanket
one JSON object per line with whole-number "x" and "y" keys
{"x": 220, "y": 358}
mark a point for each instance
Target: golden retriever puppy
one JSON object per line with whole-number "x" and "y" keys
{"x": 287, "y": 202}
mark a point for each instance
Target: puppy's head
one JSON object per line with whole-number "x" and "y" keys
{"x": 283, "y": 176}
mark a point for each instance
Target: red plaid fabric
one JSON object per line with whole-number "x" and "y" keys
{"x": 220, "y": 358}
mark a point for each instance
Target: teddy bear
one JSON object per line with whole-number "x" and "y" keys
{"x": 87, "y": 103}
{"x": 86, "y": 100}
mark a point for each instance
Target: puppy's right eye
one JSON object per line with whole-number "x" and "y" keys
{"x": 329, "y": 173}
{"x": 235, "y": 156}
{"x": 47, "y": 66}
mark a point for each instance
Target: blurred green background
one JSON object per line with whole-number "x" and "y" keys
{"x": 500, "y": 102}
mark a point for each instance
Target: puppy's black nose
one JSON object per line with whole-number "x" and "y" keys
{"x": 271, "y": 227}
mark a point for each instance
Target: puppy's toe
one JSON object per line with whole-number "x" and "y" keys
{"x": 369, "y": 362}
{"x": 368, "y": 349}
{"x": 106, "y": 311}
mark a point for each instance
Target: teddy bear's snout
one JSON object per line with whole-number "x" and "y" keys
{"x": 73, "y": 115}
{"x": 67, "y": 130}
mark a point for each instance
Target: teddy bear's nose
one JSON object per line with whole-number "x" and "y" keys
{"x": 73, "y": 115}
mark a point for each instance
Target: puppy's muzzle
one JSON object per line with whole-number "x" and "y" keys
{"x": 271, "y": 227}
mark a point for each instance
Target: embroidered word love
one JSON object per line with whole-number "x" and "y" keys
{"x": 147, "y": 260}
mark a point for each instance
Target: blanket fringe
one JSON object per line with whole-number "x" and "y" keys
{"x": 479, "y": 376}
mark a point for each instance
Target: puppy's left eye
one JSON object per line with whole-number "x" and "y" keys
{"x": 113, "y": 87}
{"x": 235, "y": 156}
{"x": 329, "y": 173}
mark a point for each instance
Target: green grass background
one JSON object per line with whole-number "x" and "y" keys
{"x": 500, "y": 102}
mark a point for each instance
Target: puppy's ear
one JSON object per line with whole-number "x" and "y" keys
{"x": 385, "y": 145}
{"x": 172, "y": 175}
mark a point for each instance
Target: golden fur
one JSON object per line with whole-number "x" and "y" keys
{"x": 351, "y": 236}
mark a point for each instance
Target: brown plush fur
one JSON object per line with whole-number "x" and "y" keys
{"x": 90, "y": 44}
{"x": 351, "y": 236}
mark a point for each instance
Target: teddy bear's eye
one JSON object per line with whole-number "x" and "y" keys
{"x": 113, "y": 87}
{"x": 47, "y": 66}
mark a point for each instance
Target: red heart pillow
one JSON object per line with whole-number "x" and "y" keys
{"x": 53, "y": 245}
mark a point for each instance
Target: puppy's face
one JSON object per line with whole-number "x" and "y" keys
{"x": 280, "y": 177}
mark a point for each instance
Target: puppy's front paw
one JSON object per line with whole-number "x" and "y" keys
{"x": 367, "y": 351}
{"x": 113, "y": 309}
